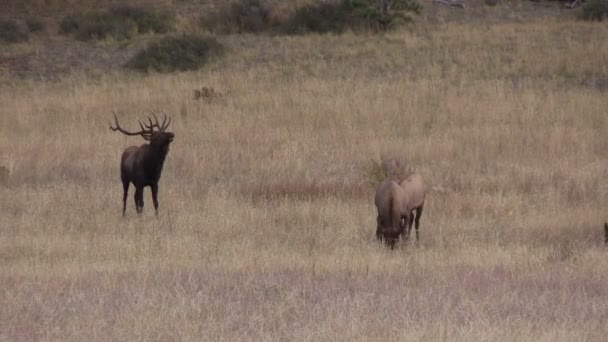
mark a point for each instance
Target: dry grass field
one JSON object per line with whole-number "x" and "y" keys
{"x": 266, "y": 225}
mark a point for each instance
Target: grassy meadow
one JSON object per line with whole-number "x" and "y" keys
{"x": 266, "y": 224}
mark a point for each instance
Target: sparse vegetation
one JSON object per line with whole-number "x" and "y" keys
{"x": 120, "y": 23}
{"x": 239, "y": 16}
{"x": 4, "y": 174}
{"x": 10, "y": 32}
{"x": 181, "y": 53}
{"x": 595, "y": 10}
{"x": 338, "y": 16}
{"x": 318, "y": 16}
{"x": 387, "y": 168}
{"x": 35, "y": 25}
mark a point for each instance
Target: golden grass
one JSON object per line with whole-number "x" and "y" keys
{"x": 266, "y": 225}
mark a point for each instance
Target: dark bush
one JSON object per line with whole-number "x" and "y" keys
{"x": 146, "y": 20}
{"x": 34, "y": 25}
{"x": 11, "y": 33}
{"x": 240, "y": 16}
{"x": 595, "y": 10}
{"x": 319, "y": 16}
{"x": 119, "y": 23}
{"x": 186, "y": 52}
{"x": 357, "y": 15}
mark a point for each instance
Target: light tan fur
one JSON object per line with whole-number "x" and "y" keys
{"x": 415, "y": 190}
{"x": 391, "y": 203}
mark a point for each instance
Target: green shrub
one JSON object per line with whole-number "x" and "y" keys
{"x": 119, "y": 23}
{"x": 357, "y": 15}
{"x": 34, "y": 25}
{"x": 186, "y": 52}
{"x": 595, "y": 10}
{"x": 11, "y": 33}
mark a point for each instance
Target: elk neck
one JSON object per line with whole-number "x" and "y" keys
{"x": 155, "y": 155}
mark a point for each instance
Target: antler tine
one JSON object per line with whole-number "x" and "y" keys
{"x": 166, "y": 123}
{"x": 143, "y": 132}
{"x": 156, "y": 120}
{"x": 146, "y": 130}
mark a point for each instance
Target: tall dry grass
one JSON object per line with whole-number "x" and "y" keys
{"x": 266, "y": 225}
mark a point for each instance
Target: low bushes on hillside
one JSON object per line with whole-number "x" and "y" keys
{"x": 119, "y": 23}
{"x": 181, "y": 53}
{"x": 241, "y": 16}
{"x": 10, "y": 32}
{"x": 338, "y": 16}
{"x": 35, "y": 25}
{"x": 319, "y": 16}
{"x": 595, "y": 10}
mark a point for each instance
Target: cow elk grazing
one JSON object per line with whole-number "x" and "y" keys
{"x": 142, "y": 165}
{"x": 393, "y": 212}
{"x": 415, "y": 190}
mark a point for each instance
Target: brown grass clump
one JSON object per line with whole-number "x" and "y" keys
{"x": 267, "y": 227}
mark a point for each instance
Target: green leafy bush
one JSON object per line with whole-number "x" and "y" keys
{"x": 186, "y": 52}
{"x": 11, "y": 33}
{"x": 595, "y": 10}
{"x": 119, "y": 23}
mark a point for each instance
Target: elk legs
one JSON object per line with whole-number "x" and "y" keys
{"x": 139, "y": 199}
{"x": 154, "y": 198}
{"x": 418, "y": 214}
{"x": 125, "y": 187}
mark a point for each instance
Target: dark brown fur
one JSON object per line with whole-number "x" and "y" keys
{"x": 143, "y": 165}
{"x": 606, "y": 233}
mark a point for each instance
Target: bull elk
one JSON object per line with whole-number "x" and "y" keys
{"x": 399, "y": 206}
{"x": 142, "y": 165}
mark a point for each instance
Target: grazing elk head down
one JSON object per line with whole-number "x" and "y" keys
{"x": 393, "y": 215}
{"x": 142, "y": 165}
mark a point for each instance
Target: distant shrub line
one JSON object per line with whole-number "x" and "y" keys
{"x": 318, "y": 17}
{"x": 119, "y": 23}
{"x": 595, "y": 10}
{"x": 10, "y": 32}
{"x": 181, "y": 53}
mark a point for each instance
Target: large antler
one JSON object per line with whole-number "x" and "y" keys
{"x": 147, "y": 129}
{"x": 161, "y": 127}
{"x": 145, "y": 133}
